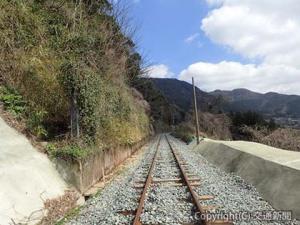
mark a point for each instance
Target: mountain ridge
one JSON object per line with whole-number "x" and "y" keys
{"x": 281, "y": 107}
{"x": 180, "y": 93}
{"x": 270, "y": 104}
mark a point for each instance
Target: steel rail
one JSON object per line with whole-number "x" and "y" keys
{"x": 195, "y": 197}
{"x": 137, "y": 219}
{"x": 186, "y": 180}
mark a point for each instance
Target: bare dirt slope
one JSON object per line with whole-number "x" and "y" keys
{"x": 27, "y": 178}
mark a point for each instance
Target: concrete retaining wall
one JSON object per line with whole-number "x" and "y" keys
{"x": 84, "y": 173}
{"x": 278, "y": 181}
{"x": 27, "y": 178}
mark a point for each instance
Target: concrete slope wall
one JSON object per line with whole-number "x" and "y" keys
{"x": 274, "y": 172}
{"x": 84, "y": 173}
{"x": 26, "y": 178}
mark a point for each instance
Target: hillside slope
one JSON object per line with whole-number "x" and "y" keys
{"x": 212, "y": 122}
{"x": 27, "y": 177}
{"x": 162, "y": 111}
{"x": 65, "y": 68}
{"x": 180, "y": 93}
{"x": 271, "y": 104}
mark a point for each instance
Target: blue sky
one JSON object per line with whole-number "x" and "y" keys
{"x": 164, "y": 27}
{"x": 223, "y": 44}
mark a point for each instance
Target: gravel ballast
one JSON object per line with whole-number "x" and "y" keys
{"x": 232, "y": 194}
{"x": 168, "y": 204}
{"x": 119, "y": 196}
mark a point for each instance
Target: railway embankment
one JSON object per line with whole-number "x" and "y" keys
{"x": 274, "y": 172}
{"x": 168, "y": 200}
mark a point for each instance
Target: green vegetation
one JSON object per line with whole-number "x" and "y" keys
{"x": 252, "y": 119}
{"x": 71, "y": 66}
{"x": 67, "y": 151}
{"x": 184, "y": 132}
{"x": 35, "y": 123}
{"x": 161, "y": 110}
{"x": 69, "y": 215}
{"x": 251, "y": 126}
{"x": 12, "y": 101}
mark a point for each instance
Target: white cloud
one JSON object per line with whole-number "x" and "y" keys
{"x": 257, "y": 29}
{"x": 159, "y": 71}
{"x": 229, "y": 75}
{"x": 191, "y": 38}
{"x": 214, "y": 2}
{"x": 268, "y": 30}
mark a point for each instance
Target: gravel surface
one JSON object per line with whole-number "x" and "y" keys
{"x": 232, "y": 194}
{"x": 119, "y": 196}
{"x": 166, "y": 203}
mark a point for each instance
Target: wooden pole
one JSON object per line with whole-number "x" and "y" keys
{"x": 196, "y": 111}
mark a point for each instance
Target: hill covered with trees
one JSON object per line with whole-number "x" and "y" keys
{"x": 65, "y": 69}
{"x": 272, "y": 105}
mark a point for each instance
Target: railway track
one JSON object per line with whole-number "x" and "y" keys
{"x": 170, "y": 184}
{"x": 169, "y": 170}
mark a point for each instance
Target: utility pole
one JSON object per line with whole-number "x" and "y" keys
{"x": 196, "y": 111}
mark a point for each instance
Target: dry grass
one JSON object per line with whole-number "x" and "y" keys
{"x": 54, "y": 210}
{"x": 43, "y": 42}
{"x": 20, "y": 126}
{"x": 283, "y": 138}
{"x": 58, "y": 207}
{"x": 215, "y": 126}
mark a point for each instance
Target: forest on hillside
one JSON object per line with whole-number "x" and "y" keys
{"x": 66, "y": 69}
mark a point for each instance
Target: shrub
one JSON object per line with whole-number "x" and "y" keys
{"x": 68, "y": 151}
{"x": 61, "y": 55}
{"x": 250, "y": 126}
{"x": 35, "y": 123}
{"x": 249, "y": 118}
{"x": 12, "y": 101}
{"x": 184, "y": 132}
